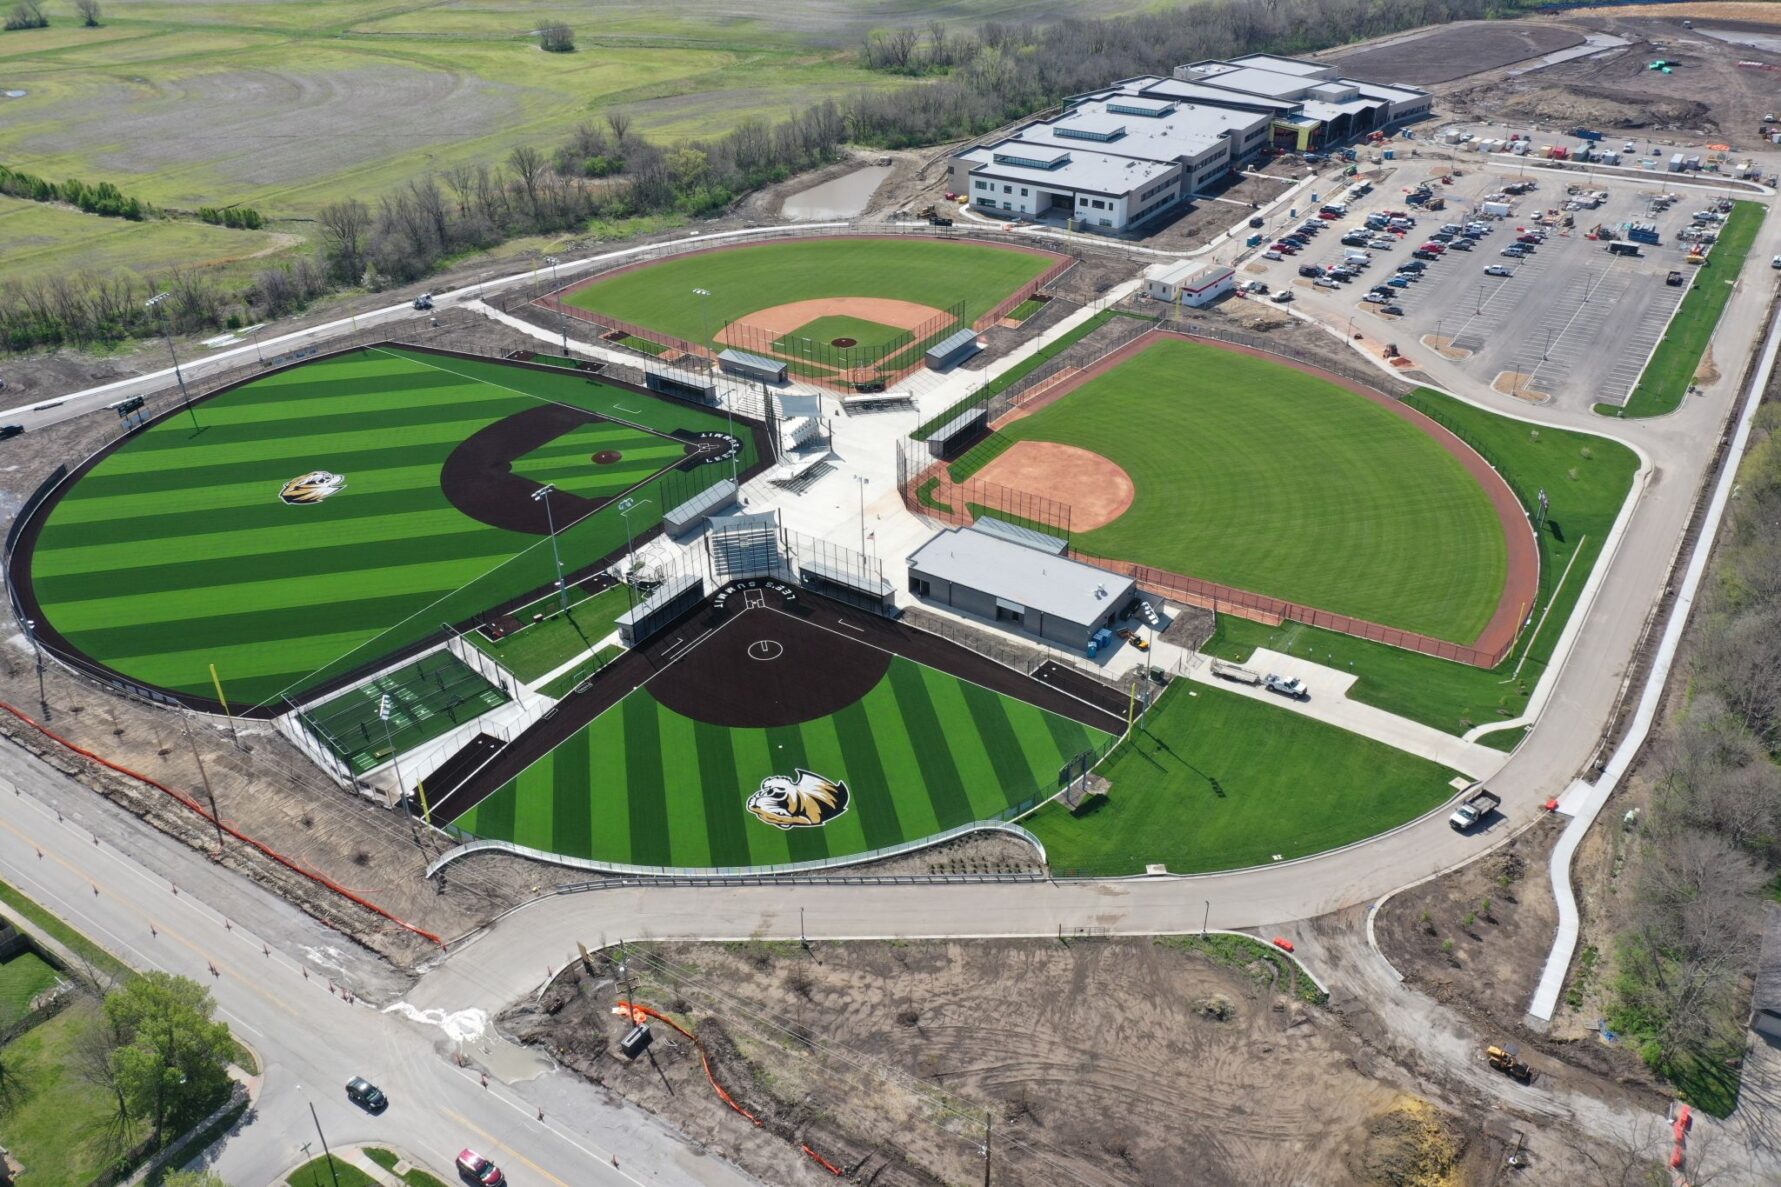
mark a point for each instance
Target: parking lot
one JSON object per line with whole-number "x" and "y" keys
{"x": 1571, "y": 323}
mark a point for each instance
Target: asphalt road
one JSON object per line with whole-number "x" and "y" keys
{"x": 279, "y": 984}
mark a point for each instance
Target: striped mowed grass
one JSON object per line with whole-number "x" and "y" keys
{"x": 922, "y": 752}
{"x": 175, "y": 551}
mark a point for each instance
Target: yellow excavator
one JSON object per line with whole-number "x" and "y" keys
{"x": 1507, "y": 1059}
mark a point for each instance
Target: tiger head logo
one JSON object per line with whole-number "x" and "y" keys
{"x": 312, "y": 487}
{"x": 801, "y": 800}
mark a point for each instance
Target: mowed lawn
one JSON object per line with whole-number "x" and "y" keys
{"x": 176, "y": 552}
{"x": 921, "y": 753}
{"x": 1214, "y": 781}
{"x": 742, "y": 280}
{"x": 1261, "y": 477}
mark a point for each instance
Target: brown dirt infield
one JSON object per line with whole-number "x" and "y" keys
{"x": 1097, "y": 490}
{"x": 777, "y": 321}
{"x": 606, "y": 457}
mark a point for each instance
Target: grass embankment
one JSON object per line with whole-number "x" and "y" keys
{"x": 1213, "y": 781}
{"x": 413, "y": 1176}
{"x": 544, "y": 646}
{"x": 1262, "y": 477}
{"x": 1677, "y": 358}
{"x": 329, "y": 1171}
{"x": 22, "y": 978}
{"x": 1587, "y": 479}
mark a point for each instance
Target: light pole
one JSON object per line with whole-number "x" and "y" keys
{"x": 562, "y": 322}
{"x": 326, "y": 1153}
{"x": 383, "y": 715}
{"x": 542, "y": 495}
{"x": 704, "y": 316}
{"x": 624, "y": 513}
{"x": 37, "y": 648}
{"x": 861, "y": 479}
{"x": 155, "y": 303}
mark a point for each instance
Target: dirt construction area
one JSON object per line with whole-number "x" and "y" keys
{"x": 1091, "y": 1061}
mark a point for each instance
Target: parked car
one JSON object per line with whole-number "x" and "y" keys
{"x": 1498, "y": 270}
{"x": 10, "y": 431}
{"x": 1285, "y": 248}
{"x": 1281, "y": 297}
{"x": 1529, "y": 239}
{"x": 1376, "y": 298}
{"x": 1258, "y": 287}
{"x": 1412, "y": 266}
{"x": 1394, "y": 310}
{"x": 1423, "y": 254}
{"x": 1441, "y": 237}
{"x": 1310, "y": 270}
{"x": 1514, "y": 253}
{"x": 1431, "y": 245}
{"x": 366, "y": 1095}
{"x": 1293, "y": 687}
{"x": 1324, "y": 282}
{"x": 1460, "y": 245}
{"x": 1327, "y": 217}
{"x": 1272, "y": 255}
{"x": 1382, "y": 243}
{"x": 1257, "y": 221}
{"x": 474, "y": 1168}
{"x": 1399, "y": 282}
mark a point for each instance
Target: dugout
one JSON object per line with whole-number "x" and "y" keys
{"x": 657, "y": 612}
{"x": 697, "y": 509}
{"x": 1023, "y": 590}
{"x": 951, "y": 438}
{"x": 752, "y": 366}
{"x": 682, "y": 387}
{"x": 953, "y": 349}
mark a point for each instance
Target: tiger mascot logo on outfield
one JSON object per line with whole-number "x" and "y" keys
{"x": 312, "y": 487}
{"x": 801, "y": 800}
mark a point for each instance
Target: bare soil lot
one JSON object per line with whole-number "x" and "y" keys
{"x": 1095, "y": 1061}
{"x": 1454, "y": 51}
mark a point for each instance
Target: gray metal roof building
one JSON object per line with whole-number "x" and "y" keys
{"x": 1020, "y": 588}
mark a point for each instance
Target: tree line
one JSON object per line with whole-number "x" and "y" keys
{"x": 103, "y": 199}
{"x": 1709, "y": 849}
{"x": 1007, "y": 70}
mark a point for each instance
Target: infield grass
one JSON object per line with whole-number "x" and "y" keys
{"x": 871, "y": 338}
{"x": 1673, "y": 364}
{"x": 175, "y": 552}
{"x": 743, "y": 280}
{"x": 1212, "y": 780}
{"x": 1261, "y": 477}
{"x": 1587, "y": 478}
{"x": 921, "y": 753}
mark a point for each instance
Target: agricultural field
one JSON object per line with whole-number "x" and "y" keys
{"x": 316, "y": 520}
{"x": 39, "y": 240}
{"x": 1186, "y": 790}
{"x": 1277, "y": 481}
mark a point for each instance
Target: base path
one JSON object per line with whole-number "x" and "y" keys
{"x": 780, "y": 320}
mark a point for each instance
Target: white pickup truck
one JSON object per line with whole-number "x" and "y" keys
{"x": 1287, "y": 687}
{"x": 1477, "y": 806}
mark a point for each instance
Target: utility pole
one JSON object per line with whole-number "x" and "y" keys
{"x": 37, "y": 648}
{"x": 155, "y": 303}
{"x": 326, "y": 1153}
{"x": 562, "y": 321}
{"x": 989, "y": 1125}
{"x": 216, "y": 817}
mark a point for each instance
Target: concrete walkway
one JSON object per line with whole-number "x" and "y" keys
{"x": 1329, "y": 702}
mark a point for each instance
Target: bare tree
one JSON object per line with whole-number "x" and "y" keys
{"x": 527, "y": 164}
{"x": 556, "y": 38}
{"x": 620, "y": 123}
{"x": 89, "y": 12}
{"x": 26, "y": 14}
{"x": 343, "y": 233}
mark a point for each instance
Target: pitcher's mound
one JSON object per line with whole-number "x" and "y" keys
{"x": 606, "y": 457}
{"x": 1097, "y": 490}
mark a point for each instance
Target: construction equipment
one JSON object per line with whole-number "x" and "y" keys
{"x": 1507, "y": 1059}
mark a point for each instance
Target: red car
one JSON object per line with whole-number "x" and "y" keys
{"x": 1328, "y": 216}
{"x": 474, "y": 1168}
{"x": 1284, "y": 249}
{"x": 1529, "y": 239}
{"x": 1437, "y": 248}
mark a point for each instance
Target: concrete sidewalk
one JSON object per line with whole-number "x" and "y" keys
{"x": 1329, "y": 702}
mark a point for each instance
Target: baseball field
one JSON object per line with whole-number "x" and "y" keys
{"x": 1242, "y": 470}
{"x": 867, "y": 292}
{"x": 320, "y": 518}
{"x": 887, "y": 748}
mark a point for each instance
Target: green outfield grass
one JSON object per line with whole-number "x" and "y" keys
{"x": 742, "y": 280}
{"x": 1587, "y": 478}
{"x": 643, "y": 785}
{"x": 175, "y": 552}
{"x": 1264, "y": 478}
{"x": 1214, "y": 781}
{"x": 432, "y": 696}
{"x": 1678, "y": 355}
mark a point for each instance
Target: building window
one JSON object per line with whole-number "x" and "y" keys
{"x": 1007, "y": 189}
{"x": 919, "y": 586}
{"x": 1106, "y": 222}
{"x": 980, "y": 184}
{"x": 1007, "y": 206}
{"x": 1023, "y": 191}
{"x": 1081, "y": 201}
{"x": 1003, "y": 614}
{"x": 1098, "y": 204}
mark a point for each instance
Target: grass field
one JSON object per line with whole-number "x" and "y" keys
{"x": 175, "y": 552}
{"x": 1192, "y": 789}
{"x": 38, "y": 240}
{"x": 1587, "y": 479}
{"x": 22, "y": 978}
{"x": 1678, "y": 356}
{"x": 1261, "y": 477}
{"x": 742, "y": 280}
{"x": 330, "y": 1170}
{"x": 541, "y": 647}
{"x": 643, "y": 785}
{"x": 871, "y": 338}
{"x": 413, "y": 1176}
{"x": 432, "y": 696}
{"x": 61, "y": 1128}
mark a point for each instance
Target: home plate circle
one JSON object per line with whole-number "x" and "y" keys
{"x": 765, "y": 649}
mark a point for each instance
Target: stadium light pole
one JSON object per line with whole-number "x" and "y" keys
{"x": 624, "y": 513}
{"x": 861, "y": 479}
{"x": 704, "y": 316}
{"x": 562, "y": 322}
{"x": 37, "y": 648}
{"x": 383, "y": 715}
{"x": 155, "y": 302}
{"x": 542, "y": 495}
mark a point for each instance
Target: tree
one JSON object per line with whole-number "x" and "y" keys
{"x": 343, "y": 236}
{"x": 89, "y": 12}
{"x": 26, "y": 14}
{"x": 172, "y": 1058}
{"x": 556, "y": 38}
